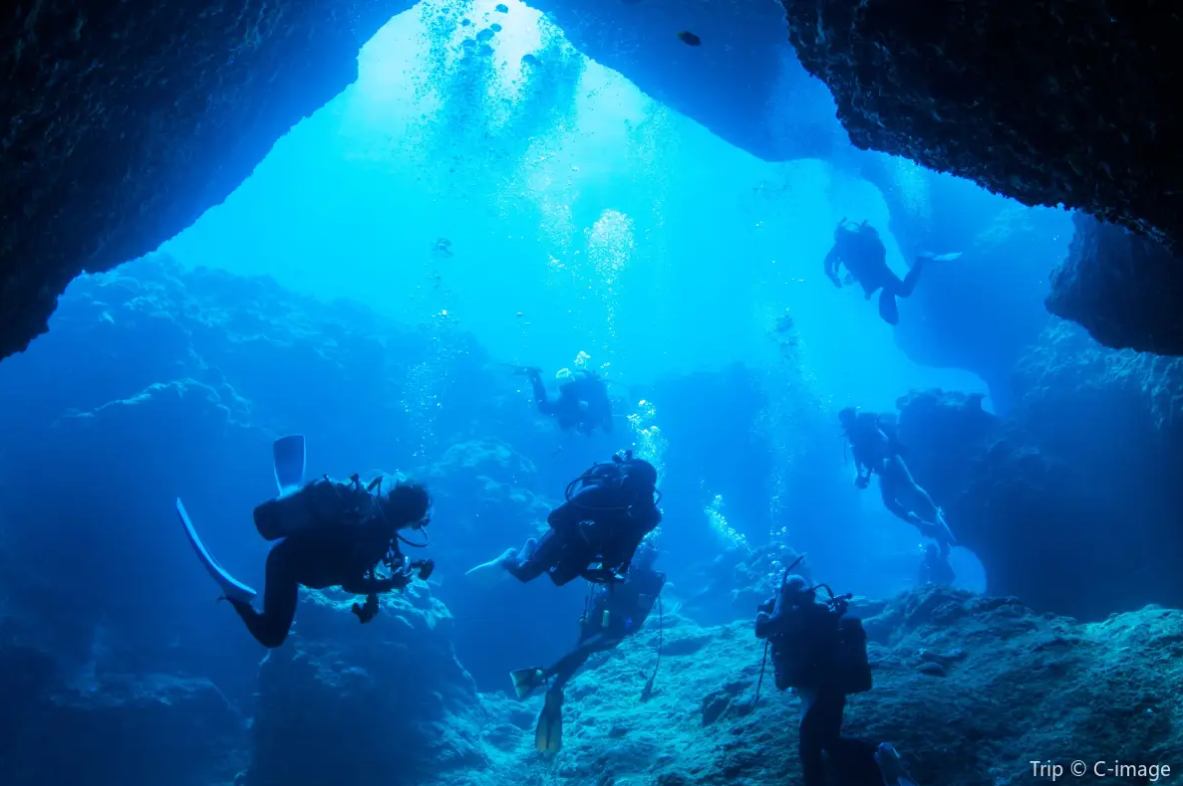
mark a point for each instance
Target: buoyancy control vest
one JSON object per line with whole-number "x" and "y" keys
{"x": 320, "y": 503}
{"x": 819, "y": 644}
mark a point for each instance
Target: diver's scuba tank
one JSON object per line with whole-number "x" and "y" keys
{"x": 320, "y": 502}
{"x": 853, "y": 666}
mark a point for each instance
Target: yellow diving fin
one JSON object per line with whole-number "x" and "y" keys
{"x": 526, "y": 681}
{"x": 548, "y": 736}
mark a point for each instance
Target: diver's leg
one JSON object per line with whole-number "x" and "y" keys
{"x": 905, "y": 287}
{"x": 922, "y": 502}
{"x": 821, "y": 725}
{"x": 545, "y": 405}
{"x": 279, "y": 598}
{"x": 935, "y": 526}
{"x": 570, "y": 663}
{"x": 888, "y": 489}
{"x": 527, "y": 567}
{"x": 889, "y": 310}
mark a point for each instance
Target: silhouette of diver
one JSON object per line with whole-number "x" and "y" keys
{"x": 859, "y": 248}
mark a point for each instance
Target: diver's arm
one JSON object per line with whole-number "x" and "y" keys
{"x": 831, "y": 266}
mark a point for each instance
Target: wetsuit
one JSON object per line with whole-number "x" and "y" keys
{"x": 599, "y": 523}
{"x": 858, "y": 247}
{"x": 877, "y": 451}
{"x": 317, "y": 560}
{"x": 582, "y": 402}
{"x": 805, "y": 644}
{"x": 628, "y": 604}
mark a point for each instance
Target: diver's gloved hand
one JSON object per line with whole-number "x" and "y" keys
{"x": 423, "y": 568}
{"x": 368, "y": 611}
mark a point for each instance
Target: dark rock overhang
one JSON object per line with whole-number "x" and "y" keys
{"x": 123, "y": 122}
{"x": 1053, "y": 103}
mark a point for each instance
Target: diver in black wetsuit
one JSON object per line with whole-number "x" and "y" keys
{"x": 613, "y": 613}
{"x": 821, "y": 652}
{"x": 608, "y": 512}
{"x": 582, "y": 403}
{"x": 334, "y": 534}
{"x": 859, "y": 248}
{"x": 877, "y": 450}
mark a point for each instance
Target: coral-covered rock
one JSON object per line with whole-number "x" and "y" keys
{"x": 970, "y": 689}
{"x": 344, "y": 703}
{"x": 123, "y": 122}
{"x": 1124, "y": 288}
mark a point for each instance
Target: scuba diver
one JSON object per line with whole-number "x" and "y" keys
{"x": 582, "y": 403}
{"x": 877, "y": 450}
{"x": 609, "y": 510}
{"x": 611, "y": 614}
{"x": 820, "y": 651}
{"x": 935, "y": 567}
{"x": 330, "y": 533}
{"x": 859, "y": 248}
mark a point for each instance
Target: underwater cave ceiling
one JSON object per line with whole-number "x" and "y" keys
{"x": 123, "y": 122}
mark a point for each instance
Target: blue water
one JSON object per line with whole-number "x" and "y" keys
{"x": 480, "y": 206}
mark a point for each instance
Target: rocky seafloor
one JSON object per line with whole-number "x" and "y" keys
{"x": 971, "y": 690}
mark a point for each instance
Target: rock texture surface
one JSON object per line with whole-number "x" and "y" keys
{"x": 1124, "y": 288}
{"x": 1070, "y": 504}
{"x": 731, "y": 83}
{"x": 123, "y": 122}
{"x": 970, "y": 689}
{"x": 1050, "y": 103}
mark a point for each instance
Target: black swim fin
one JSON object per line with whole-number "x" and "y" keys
{"x": 526, "y": 681}
{"x": 548, "y": 736}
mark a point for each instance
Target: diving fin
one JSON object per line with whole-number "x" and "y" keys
{"x": 891, "y": 767}
{"x": 489, "y": 573}
{"x": 290, "y": 460}
{"x": 548, "y": 735}
{"x": 526, "y": 681}
{"x": 232, "y": 588}
{"x": 947, "y": 257}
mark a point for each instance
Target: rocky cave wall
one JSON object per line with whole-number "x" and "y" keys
{"x": 1050, "y": 103}
{"x": 123, "y": 122}
{"x": 1072, "y": 502}
{"x": 1124, "y": 288}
